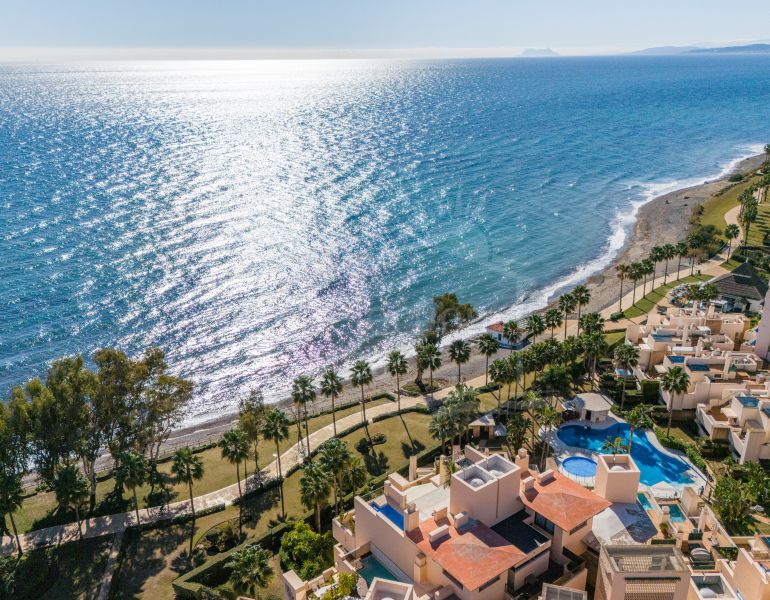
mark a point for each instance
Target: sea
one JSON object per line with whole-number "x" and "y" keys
{"x": 262, "y": 219}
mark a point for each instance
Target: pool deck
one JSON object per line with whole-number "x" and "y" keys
{"x": 562, "y": 451}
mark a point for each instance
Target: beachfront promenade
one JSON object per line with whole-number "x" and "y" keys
{"x": 110, "y": 524}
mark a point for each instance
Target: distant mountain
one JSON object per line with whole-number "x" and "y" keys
{"x": 539, "y": 52}
{"x": 747, "y": 49}
{"x": 665, "y": 50}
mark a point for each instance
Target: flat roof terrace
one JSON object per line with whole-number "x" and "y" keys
{"x": 518, "y": 533}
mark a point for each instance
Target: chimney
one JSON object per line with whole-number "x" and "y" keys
{"x": 413, "y": 467}
{"x": 522, "y": 459}
{"x": 546, "y": 476}
{"x": 411, "y": 517}
{"x": 528, "y": 483}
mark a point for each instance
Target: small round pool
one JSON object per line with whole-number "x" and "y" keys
{"x": 579, "y": 466}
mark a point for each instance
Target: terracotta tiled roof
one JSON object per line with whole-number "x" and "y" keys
{"x": 562, "y": 501}
{"x": 496, "y": 327}
{"x": 472, "y": 555}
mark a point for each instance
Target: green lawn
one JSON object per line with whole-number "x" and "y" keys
{"x": 714, "y": 208}
{"x": 153, "y": 559}
{"x": 647, "y": 303}
{"x": 759, "y": 228}
{"x": 39, "y": 510}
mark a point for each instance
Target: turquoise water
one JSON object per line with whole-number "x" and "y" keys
{"x": 263, "y": 219}
{"x": 646, "y": 505}
{"x": 392, "y": 514}
{"x": 654, "y": 465}
{"x": 675, "y": 513}
{"x": 374, "y": 568}
{"x": 580, "y": 466}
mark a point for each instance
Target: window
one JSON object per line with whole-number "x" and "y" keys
{"x": 544, "y": 523}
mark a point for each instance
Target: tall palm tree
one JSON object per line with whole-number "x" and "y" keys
{"x": 331, "y": 387}
{"x": 516, "y": 369}
{"x": 626, "y": 358}
{"x": 622, "y": 270}
{"x": 442, "y": 426}
{"x": 675, "y": 381}
{"x": 535, "y": 325}
{"x": 235, "y": 449}
{"x": 549, "y": 419}
{"x": 361, "y": 375}
{"x": 582, "y": 297}
{"x": 431, "y": 359}
{"x": 276, "y": 429}
{"x": 640, "y": 417}
{"x": 554, "y": 382}
{"x": 188, "y": 468}
{"x": 335, "y": 458}
{"x": 552, "y": 319}
{"x": 635, "y": 273}
{"x": 303, "y": 393}
{"x": 498, "y": 372}
{"x": 488, "y": 346}
{"x": 749, "y": 216}
{"x": 459, "y": 353}
{"x": 314, "y": 488}
{"x": 648, "y": 270}
{"x": 681, "y": 251}
{"x": 567, "y": 304}
{"x": 594, "y": 346}
{"x": 512, "y": 333}
{"x": 669, "y": 252}
{"x": 614, "y": 445}
{"x": 732, "y": 231}
{"x": 250, "y": 569}
{"x": 397, "y": 367}
{"x": 592, "y": 322}
{"x": 657, "y": 255}
{"x": 11, "y": 498}
{"x": 133, "y": 473}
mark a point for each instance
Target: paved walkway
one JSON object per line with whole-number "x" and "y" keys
{"x": 109, "y": 570}
{"x": 109, "y": 524}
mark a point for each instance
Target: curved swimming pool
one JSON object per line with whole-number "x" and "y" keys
{"x": 579, "y": 466}
{"x": 655, "y": 466}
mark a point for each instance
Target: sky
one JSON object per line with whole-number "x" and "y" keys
{"x": 367, "y": 27}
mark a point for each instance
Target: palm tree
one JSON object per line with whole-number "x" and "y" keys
{"x": 331, "y": 387}
{"x": 516, "y": 368}
{"x": 626, "y": 358}
{"x": 431, "y": 360}
{"x": 553, "y": 319}
{"x": 669, "y": 252}
{"x": 592, "y": 322}
{"x": 554, "y": 381}
{"x": 549, "y": 418}
{"x": 276, "y": 429}
{"x": 488, "y": 346}
{"x": 567, "y": 304}
{"x": 498, "y": 371}
{"x": 635, "y": 273}
{"x": 459, "y": 353}
{"x": 442, "y": 426}
{"x": 250, "y": 569}
{"x": 623, "y": 271}
{"x": 11, "y": 498}
{"x": 397, "y": 366}
{"x": 648, "y": 269}
{"x": 582, "y": 297}
{"x": 512, "y": 333}
{"x": 640, "y": 417}
{"x": 535, "y": 325}
{"x": 594, "y": 346}
{"x": 732, "y": 231}
{"x": 709, "y": 293}
{"x": 133, "y": 472}
{"x": 314, "y": 488}
{"x": 657, "y": 255}
{"x": 361, "y": 375}
{"x": 675, "y": 381}
{"x": 335, "y": 457}
{"x": 303, "y": 393}
{"x": 681, "y": 251}
{"x": 235, "y": 449}
{"x": 614, "y": 445}
{"x": 188, "y": 468}
{"x": 749, "y": 216}
{"x": 251, "y": 412}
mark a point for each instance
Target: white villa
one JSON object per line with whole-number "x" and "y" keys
{"x": 743, "y": 420}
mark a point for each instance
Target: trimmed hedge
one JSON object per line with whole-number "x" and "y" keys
{"x": 690, "y": 450}
{"x": 650, "y": 390}
{"x": 419, "y": 408}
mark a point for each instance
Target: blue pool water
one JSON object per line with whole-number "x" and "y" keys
{"x": 391, "y": 513}
{"x": 654, "y": 465}
{"x": 374, "y": 568}
{"x": 580, "y": 466}
{"x": 263, "y": 219}
{"x": 644, "y": 501}
{"x": 675, "y": 513}
{"x": 676, "y": 359}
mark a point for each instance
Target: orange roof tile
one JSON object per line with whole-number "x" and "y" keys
{"x": 562, "y": 501}
{"x": 473, "y": 555}
{"x": 496, "y": 327}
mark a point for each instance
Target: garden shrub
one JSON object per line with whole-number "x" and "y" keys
{"x": 650, "y": 390}
{"x": 305, "y": 551}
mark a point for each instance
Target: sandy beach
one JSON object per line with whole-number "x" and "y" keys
{"x": 662, "y": 220}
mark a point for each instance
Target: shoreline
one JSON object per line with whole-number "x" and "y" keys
{"x": 652, "y": 226}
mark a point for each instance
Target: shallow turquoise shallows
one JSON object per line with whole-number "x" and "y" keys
{"x": 654, "y": 465}
{"x": 262, "y": 219}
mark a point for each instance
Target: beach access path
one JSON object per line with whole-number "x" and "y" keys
{"x": 111, "y": 524}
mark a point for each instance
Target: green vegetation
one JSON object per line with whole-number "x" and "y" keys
{"x": 648, "y": 302}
